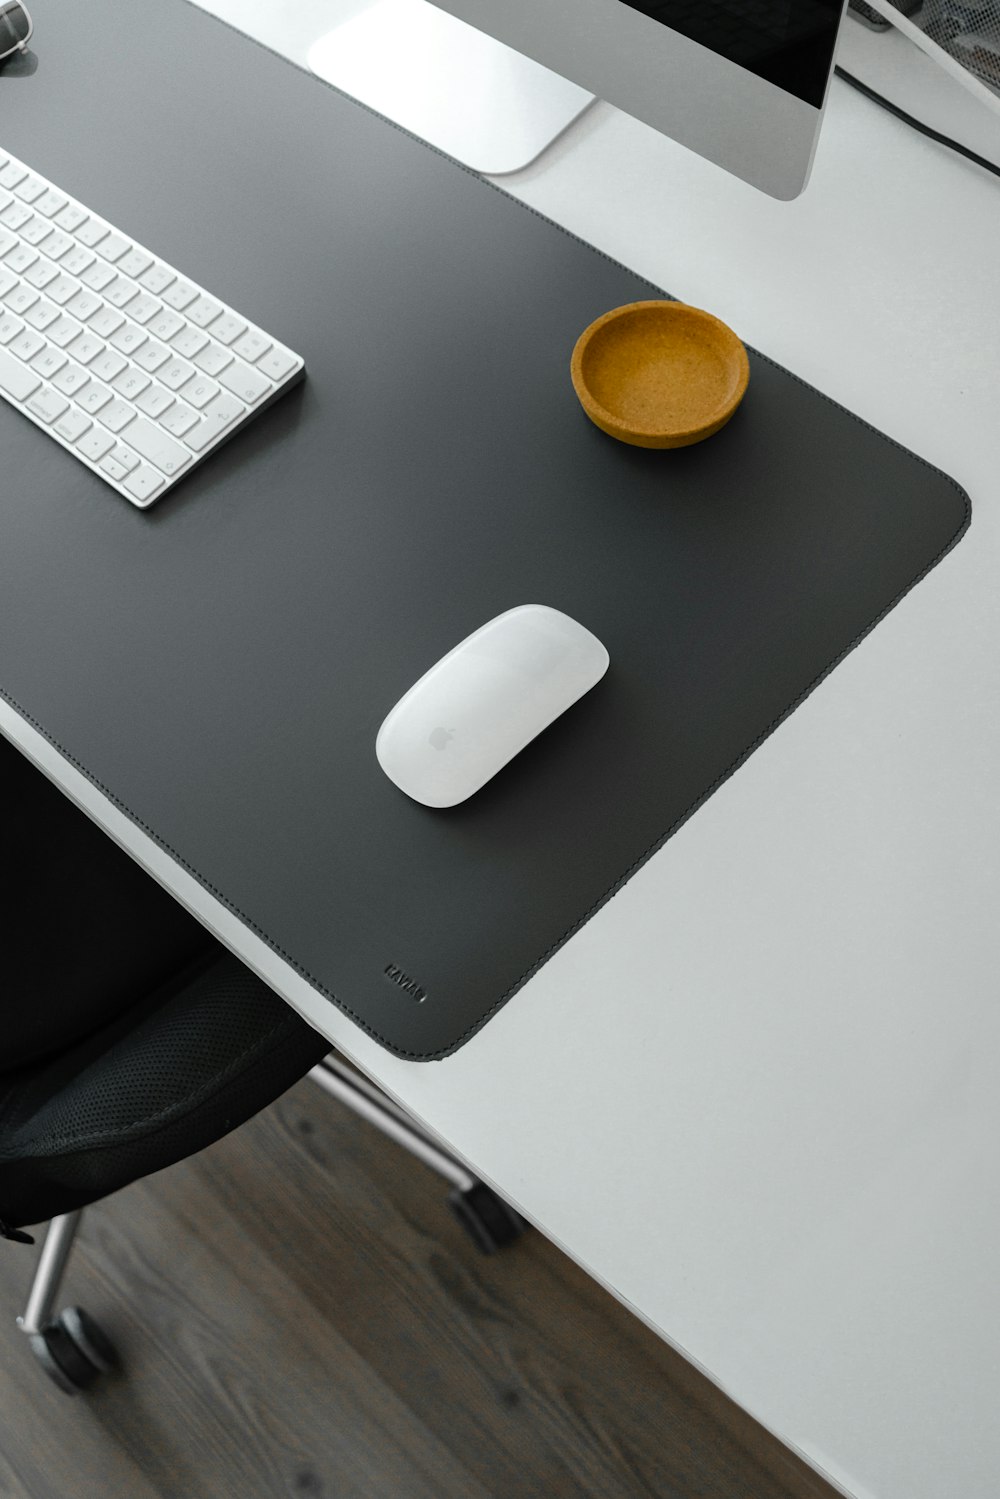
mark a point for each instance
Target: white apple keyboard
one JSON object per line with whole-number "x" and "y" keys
{"x": 132, "y": 367}
{"x": 485, "y": 700}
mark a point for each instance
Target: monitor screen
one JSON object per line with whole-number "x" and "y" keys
{"x": 786, "y": 42}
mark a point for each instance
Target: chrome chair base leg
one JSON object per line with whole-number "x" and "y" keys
{"x": 489, "y": 1221}
{"x": 71, "y": 1348}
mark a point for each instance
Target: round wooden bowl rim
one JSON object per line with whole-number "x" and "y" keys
{"x": 727, "y": 342}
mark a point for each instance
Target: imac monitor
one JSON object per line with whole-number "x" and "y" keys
{"x": 741, "y": 82}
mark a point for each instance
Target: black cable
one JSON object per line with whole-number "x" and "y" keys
{"x": 901, "y": 114}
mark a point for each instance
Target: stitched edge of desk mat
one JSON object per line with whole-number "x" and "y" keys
{"x": 661, "y": 838}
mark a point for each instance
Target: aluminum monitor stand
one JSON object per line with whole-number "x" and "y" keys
{"x": 472, "y": 97}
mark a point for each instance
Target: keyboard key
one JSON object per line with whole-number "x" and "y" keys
{"x": 10, "y": 326}
{"x": 134, "y": 262}
{"x": 213, "y": 359}
{"x": 227, "y": 328}
{"x": 16, "y": 215}
{"x": 154, "y": 445}
{"x": 276, "y": 365}
{"x": 189, "y": 342}
{"x": 42, "y": 315}
{"x": 71, "y": 379}
{"x": 154, "y": 401}
{"x": 244, "y": 382}
{"x": 143, "y": 484}
{"x": 95, "y": 443}
{"x": 116, "y": 416}
{"x": 142, "y": 307}
{"x": 203, "y": 312}
{"x": 41, "y": 274}
{"x": 220, "y": 415}
{"x": 165, "y": 325}
{"x": 111, "y": 466}
{"x": 21, "y": 298}
{"x": 63, "y": 289}
{"x": 157, "y": 278}
{"x": 65, "y": 330}
{"x": 16, "y": 379}
{"x": 105, "y": 322}
{"x": 252, "y": 345}
{"x": 129, "y": 339}
{"x": 85, "y": 348}
{"x": 152, "y": 355}
{"x": 73, "y": 425}
{"x": 179, "y": 419}
{"x": 48, "y": 361}
{"x": 38, "y": 230}
{"x": 50, "y": 203}
{"x": 125, "y": 457}
{"x": 198, "y": 391}
{"x": 180, "y": 294}
{"x": 56, "y": 243}
{"x": 71, "y": 217}
{"x": 77, "y": 260}
{"x": 94, "y": 397}
{"x": 91, "y": 232}
{"x": 112, "y": 246}
{"x": 30, "y": 226}
{"x": 19, "y": 259}
{"x": 12, "y": 174}
{"x": 30, "y": 189}
{"x": 176, "y": 373}
{"x": 27, "y": 344}
{"x": 99, "y": 275}
{"x": 35, "y": 230}
{"x": 109, "y": 365}
{"x": 120, "y": 291}
{"x": 84, "y": 304}
{"x": 131, "y": 383}
{"x": 47, "y": 405}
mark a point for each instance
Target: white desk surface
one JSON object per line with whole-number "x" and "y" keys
{"x": 758, "y": 1095}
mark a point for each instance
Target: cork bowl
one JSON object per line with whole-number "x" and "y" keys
{"x": 659, "y": 374}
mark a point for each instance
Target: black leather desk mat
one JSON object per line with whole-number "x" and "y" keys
{"x": 220, "y": 664}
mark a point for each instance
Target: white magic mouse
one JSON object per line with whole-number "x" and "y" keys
{"x": 483, "y": 702}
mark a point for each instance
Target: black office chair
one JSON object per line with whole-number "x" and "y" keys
{"x": 131, "y": 1039}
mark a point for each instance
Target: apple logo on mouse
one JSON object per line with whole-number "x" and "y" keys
{"x": 440, "y": 738}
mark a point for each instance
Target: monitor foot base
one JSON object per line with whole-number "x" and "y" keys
{"x": 474, "y": 98}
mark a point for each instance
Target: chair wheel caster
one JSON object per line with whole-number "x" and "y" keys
{"x": 73, "y": 1350}
{"x": 486, "y": 1218}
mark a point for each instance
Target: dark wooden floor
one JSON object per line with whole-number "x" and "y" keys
{"x": 300, "y": 1316}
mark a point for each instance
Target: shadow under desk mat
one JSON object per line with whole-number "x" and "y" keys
{"x": 220, "y": 664}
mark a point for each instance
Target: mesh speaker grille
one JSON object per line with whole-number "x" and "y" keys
{"x": 968, "y": 31}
